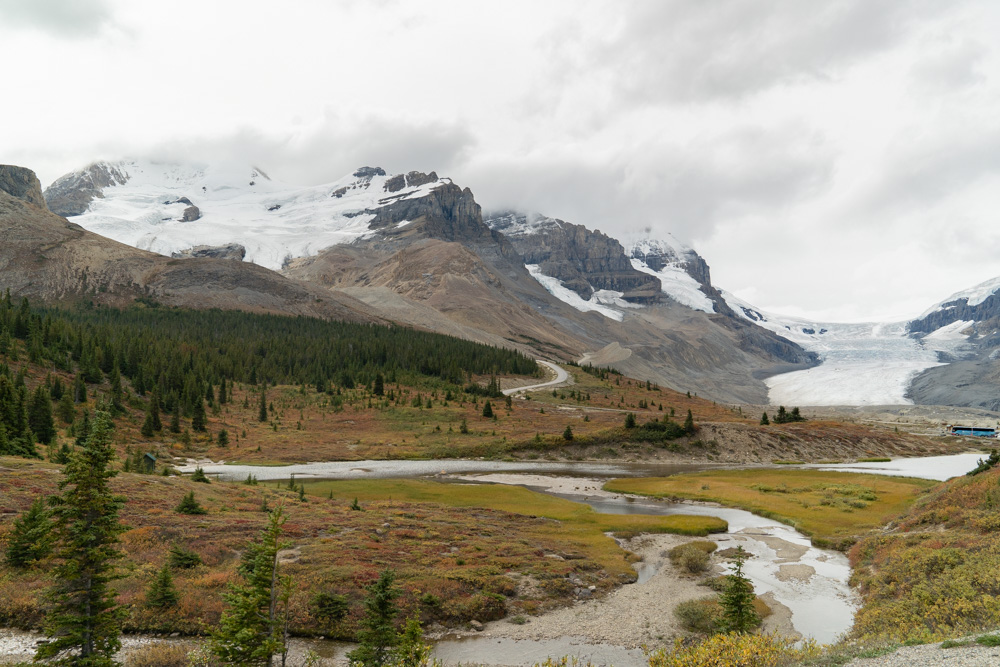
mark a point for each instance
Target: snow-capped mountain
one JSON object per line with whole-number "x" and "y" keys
{"x": 169, "y": 208}
{"x": 683, "y": 274}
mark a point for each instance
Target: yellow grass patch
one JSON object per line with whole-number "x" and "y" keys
{"x": 833, "y": 507}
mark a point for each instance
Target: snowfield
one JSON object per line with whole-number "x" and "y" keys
{"x": 239, "y": 204}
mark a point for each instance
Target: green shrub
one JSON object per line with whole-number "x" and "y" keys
{"x": 699, "y": 615}
{"x": 692, "y": 556}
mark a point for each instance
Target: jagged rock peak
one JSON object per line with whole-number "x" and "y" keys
{"x": 369, "y": 172}
{"x": 21, "y": 183}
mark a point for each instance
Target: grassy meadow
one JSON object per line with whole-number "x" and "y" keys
{"x": 460, "y": 552}
{"x": 833, "y": 508}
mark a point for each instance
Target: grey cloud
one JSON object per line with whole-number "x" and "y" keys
{"x": 65, "y": 18}
{"x": 949, "y": 65}
{"x": 679, "y": 51}
{"x": 335, "y": 149}
{"x": 927, "y": 173}
{"x": 683, "y": 190}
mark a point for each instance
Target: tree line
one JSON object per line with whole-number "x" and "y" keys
{"x": 184, "y": 357}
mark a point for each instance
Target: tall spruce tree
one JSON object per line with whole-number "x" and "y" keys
{"x": 84, "y": 622}
{"x": 199, "y": 420}
{"x": 250, "y": 631}
{"x": 378, "y": 636}
{"x": 262, "y": 411}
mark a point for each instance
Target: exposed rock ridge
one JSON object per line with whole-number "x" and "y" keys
{"x": 584, "y": 260}
{"x": 957, "y": 311}
{"x": 21, "y": 183}
{"x": 71, "y": 194}
{"x": 228, "y": 251}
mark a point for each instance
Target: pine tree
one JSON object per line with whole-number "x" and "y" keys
{"x": 40, "y": 416}
{"x": 262, "y": 411}
{"x": 84, "y": 621}
{"x": 65, "y": 409}
{"x": 379, "y": 386}
{"x": 223, "y": 438}
{"x": 199, "y": 476}
{"x": 488, "y": 410}
{"x": 162, "y": 592}
{"x": 568, "y": 433}
{"x": 31, "y": 539}
{"x": 689, "y": 423}
{"x": 199, "y": 420}
{"x": 79, "y": 389}
{"x": 250, "y": 630}
{"x": 189, "y": 505}
{"x": 764, "y": 421}
{"x": 175, "y": 418}
{"x": 782, "y": 416}
{"x": 223, "y": 396}
{"x": 736, "y": 600}
{"x": 378, "y": 637}
{"x": 630, "y": 420}
{"x": 117, "y": 393}
{"x": 182, "y": 558}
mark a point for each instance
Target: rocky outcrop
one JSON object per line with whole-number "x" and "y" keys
{"x": 411, "y": 180}
{"x": 957, "y": 311}
{"x": 369, "y": 172}
{"x": 229, "y": 251}
{"x": 22, "y": 184}
{"x": 584, "y": 260}
{"x": 72, "y": 194}
{"x": 657, "y": 256}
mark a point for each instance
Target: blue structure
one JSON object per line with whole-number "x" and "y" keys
{"x": 975, "y": 431}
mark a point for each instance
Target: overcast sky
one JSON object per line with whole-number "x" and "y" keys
{"x": 838, "y": 160}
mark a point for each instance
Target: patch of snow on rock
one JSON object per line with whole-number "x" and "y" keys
{"x": 571, "y": 298}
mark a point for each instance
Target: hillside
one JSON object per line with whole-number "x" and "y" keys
{"x": 46, "y": 257}
{"x": 931, "y": 573}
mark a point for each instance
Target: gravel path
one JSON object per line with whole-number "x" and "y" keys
{"x": 928, "y": 655}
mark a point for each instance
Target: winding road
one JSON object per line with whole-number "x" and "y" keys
{"x": 561, "y": 376}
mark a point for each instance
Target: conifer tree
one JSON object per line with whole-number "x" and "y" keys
{"x": 40, "y": 416}
{"x": 736, "y": 600}
{"x": 199, "y": 420}
{"x": 250, "y": 630}
{"x": 84, "y": 621}
{"x": 79, "y": 389}
{"x": 568, "y": 433}
{"x": 31, "y": 539}
{"x": 223, "y": 396}
{"x": 488, "y": 410}
{"x": 262, "y": 410}
{"x": 689, "y": 423}
{"x": 378, "y": 636}
{"x": 65, "y": 409}
{"x": 189, "y": 505}
{"x": 175, "y": 418}
{"x": 117, "y": 393}
{"x": 379, "y": 386}
{"x": 162, "y": 592}
{"x": 630, "y": 420}
{"x": 223, "y": 438}
{"x": 764, "y": 421}
{"x": 152, "y": 423}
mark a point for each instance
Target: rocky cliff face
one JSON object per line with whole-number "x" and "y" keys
{"x": 22, "y": 184}
{"x": 72, "y": 194}
{"x": 584, "y": 260}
